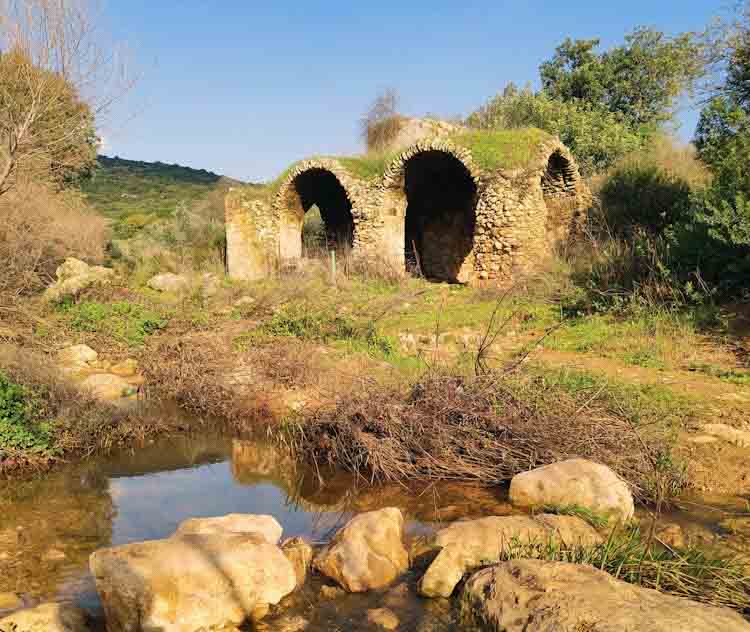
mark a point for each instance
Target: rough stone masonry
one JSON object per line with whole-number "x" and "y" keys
{"x": 433, "y": 212}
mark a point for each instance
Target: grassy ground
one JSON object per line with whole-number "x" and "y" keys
{"x": 309, "y": 342}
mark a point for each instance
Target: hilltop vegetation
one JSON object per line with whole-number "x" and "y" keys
{"x": 134, "y": 194}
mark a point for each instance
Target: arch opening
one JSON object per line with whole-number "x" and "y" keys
{"x": 559, "y": 177}
{"x": 441, "y": 198}
{"x": 559, "y": 185}
{"x": 317, "y": 189}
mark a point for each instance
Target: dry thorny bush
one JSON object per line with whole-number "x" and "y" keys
{"x": 38, "y": 230}
{"x": 475, "y": 429}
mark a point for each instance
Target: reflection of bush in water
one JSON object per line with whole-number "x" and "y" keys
{"x": 68, "y": 512}
{"x": 255, "y": 462}
{"x": 314, "y": 491}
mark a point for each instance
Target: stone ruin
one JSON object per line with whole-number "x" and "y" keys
{"x": 434, "y": 211}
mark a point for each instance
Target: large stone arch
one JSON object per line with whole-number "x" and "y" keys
{"x": 327, "y": 185}
{"x": 433, "y": 189}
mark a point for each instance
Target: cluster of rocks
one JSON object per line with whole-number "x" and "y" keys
{"x": 74, "y": 276}
{"x": 216, "y": 573}
{"x": 105, "y": 380}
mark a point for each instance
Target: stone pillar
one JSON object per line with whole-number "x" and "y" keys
{"x": 250, "y": 251}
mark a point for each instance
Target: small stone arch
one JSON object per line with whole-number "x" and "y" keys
{"x": 321, "y": 183}
{"x": 562, "y": 188}
{"x": 437, "y": 187}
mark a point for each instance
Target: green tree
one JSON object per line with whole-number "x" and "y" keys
{"x": 640, "y": 80}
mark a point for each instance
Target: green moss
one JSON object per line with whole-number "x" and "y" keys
{"x": 502, "y": 149}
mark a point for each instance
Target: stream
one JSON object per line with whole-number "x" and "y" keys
{"x": 49, "y": 526}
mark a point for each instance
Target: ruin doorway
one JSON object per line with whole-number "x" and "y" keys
{"x": 441, "y": 198}
{"x": 321, "y": 191}
{"x": 559, "y": 185}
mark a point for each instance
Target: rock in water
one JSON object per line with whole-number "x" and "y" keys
{"x": 300, "y": 554}
{"x": 191, "y": 581}
{"x": 469, "y": 544}
{"x": 576, "y": 482}
{"x": 169, "y": 282}
{"x": 107, "y": 387}
{"x": 367, "y": 553}
{"x": 49, "y": 617}
{"x": 537, "y": 596}
{"x": 263, "y": 525}
{"x": 383, "y": 617}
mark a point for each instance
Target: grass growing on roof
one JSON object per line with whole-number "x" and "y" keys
{"x": 501, "y": 149}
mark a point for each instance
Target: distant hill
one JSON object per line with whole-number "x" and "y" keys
{"x": 133, "y": 192}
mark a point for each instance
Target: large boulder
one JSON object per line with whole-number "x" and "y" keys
{"x": 368, "y": 553}
{"x": 74, "y": 276}
{"x": 76, "y": 356}
{"x": 190, "y": 581}
{"x": 168, "y": 282}
{"x": 49, "y": 617}
{"x": 466, "y": 545}
{"x": 538, "y": 596}
{"x": 576, "y": 482}
{"x": 263, "y": 525}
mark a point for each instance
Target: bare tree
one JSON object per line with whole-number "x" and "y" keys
{"x": 57, "y": 77}
{"x": 382, "y": 122}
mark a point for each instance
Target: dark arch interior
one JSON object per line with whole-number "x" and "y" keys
{"x": 440, "y": 215}
{"x": 559, "y": 177}
{"x": 322, "y": 188}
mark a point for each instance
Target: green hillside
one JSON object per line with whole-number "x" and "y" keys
{"x": 134, "y": 193}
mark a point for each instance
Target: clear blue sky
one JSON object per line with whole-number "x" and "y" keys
{"x": 243, "y": 87}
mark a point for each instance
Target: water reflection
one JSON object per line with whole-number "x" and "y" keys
{"x": 49, "y": 527}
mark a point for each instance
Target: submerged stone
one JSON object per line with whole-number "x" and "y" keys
{"x": 263, "y": 525}
{"x": 49, "y": 617}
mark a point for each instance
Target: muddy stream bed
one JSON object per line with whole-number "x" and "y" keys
{"x": 50, "y": 526}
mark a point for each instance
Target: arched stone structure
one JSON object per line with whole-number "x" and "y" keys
{"x": 327, "y": 185}
{"x": 433, "y": 188}
{"x": 433, "y": 208}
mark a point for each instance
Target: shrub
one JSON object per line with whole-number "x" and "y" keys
{"x": 19, "y": 428}
{"x": 382, "y": 122}
{"x": 130, "y": 323}
{"x": 38, "y": 230}
{"x": 652, "y": 189}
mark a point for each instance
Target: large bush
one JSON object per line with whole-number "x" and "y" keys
{"x": 652, "y": 189}
{"x": 39, "y": 228}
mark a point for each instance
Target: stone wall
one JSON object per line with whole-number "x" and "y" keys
{"x": 474, "y": 227}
